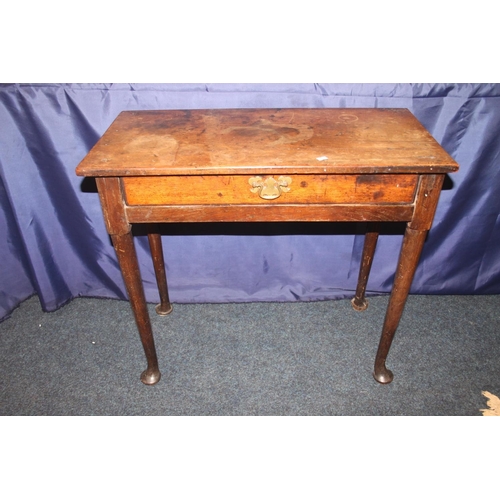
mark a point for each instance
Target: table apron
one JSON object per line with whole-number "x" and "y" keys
{"x": 270, "y": 213}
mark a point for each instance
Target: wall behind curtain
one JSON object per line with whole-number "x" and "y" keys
{"x": 56, "y": 246}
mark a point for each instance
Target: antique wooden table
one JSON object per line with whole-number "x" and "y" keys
{"x": 246, "y": 165}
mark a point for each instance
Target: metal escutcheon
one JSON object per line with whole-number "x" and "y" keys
{"x": 269, "y": 188}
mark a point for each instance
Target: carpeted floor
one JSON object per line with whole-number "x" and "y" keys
{"x": 251, "y": 359}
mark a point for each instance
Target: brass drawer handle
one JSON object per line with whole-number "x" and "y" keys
{"x": 270, "y": 188}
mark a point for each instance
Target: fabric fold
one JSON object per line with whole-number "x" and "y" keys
{"x": 56, "y": 244}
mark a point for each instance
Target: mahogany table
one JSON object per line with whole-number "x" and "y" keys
{"x": 267, "y": 165}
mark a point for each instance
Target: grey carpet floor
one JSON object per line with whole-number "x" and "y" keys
{"x": 311, "y": 358}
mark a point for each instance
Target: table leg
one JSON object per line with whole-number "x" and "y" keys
{"x": 359, "y": 301}
{"x": 154, "y": 238}
{"x": 127, "y": 258}
{"x": 411, "y": 249}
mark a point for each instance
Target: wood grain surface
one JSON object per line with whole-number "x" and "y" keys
{"x": 222, "y": 141}
{"x": 236, "y": 189}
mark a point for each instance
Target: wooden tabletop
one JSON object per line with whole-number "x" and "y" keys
{"x": 242, "y": 141}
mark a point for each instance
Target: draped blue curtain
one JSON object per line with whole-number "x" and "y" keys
{"x": 56, "y": 245}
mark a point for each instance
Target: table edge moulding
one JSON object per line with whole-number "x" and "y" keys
{"x": 267, "y": 165}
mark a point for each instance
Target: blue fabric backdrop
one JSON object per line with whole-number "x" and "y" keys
{"x": 56, "y": 245}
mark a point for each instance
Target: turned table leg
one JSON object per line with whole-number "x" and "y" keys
{"x": 154, "y": 238}
{"x": 359, "y": 301}
{"x": 411, "y": 249}
{"x": 127, "y": 258}
{"x": 120, "y": 230}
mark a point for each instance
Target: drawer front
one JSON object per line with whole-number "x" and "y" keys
{"x": 270, "y": 189}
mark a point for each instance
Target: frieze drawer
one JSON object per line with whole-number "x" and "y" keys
{"x": 266, "y": 188}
